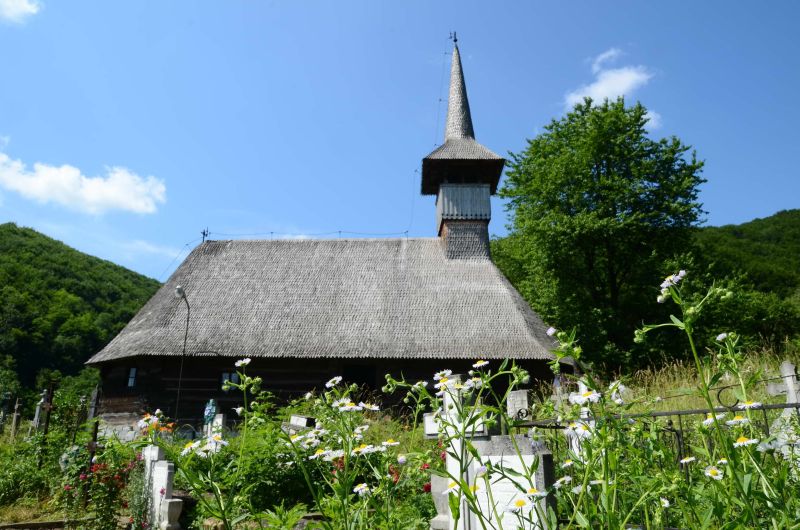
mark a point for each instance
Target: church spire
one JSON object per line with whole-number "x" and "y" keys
{"x": 459, "y": 119}
{"x": 460, "y": 159}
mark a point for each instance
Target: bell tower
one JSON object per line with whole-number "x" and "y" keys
{"x": 462, "y": 174}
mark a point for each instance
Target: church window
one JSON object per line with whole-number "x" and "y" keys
{"x": 233, "y": 377}
{"x": 132, "y": 377}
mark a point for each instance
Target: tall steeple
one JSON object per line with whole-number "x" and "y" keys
{"x": 462, "y": 174}
{"x": 459, "y": 119}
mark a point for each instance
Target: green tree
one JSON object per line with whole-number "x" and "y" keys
{"x": 597, "y": 208}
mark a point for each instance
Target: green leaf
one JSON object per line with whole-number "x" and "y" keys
{"x": 677, "y": 322}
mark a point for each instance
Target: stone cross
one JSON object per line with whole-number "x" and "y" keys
{"x": 517, "y": 406}
{"x": 38, "y": 414}
{"x": 159, "y": 478}
{"x": 789, "y": 386}
{"x": 15, "y": 419}
{"x": 215, "y": 426}
{"x": 784, "y": 428}
{"x": 514, "y": 453}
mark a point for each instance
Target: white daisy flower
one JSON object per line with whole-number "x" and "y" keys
{"x": 369, "y": 406}
{"x": 722, "y": 461}
{"x": 333, "y": 455}
{"x": 453, "y": 487}
{"x": 332, "y": 382}
{"x": 589, "y": 396}
{"x": 688, "y": 460}
{"x": 749, "y": 404}
{"x": 242, "y": 362}
{"x": 535, "y": 493}
{"x": 567, "y": 463}
{"x": 390, "y": 443}
{"x": 480, "y": 364}
{"x": 363, "y": 449}
{"x": 319, "y": 453}
{"x": 710, "y": 419}
{"x": 579, "y": 428}
{"x": 308, "y": 396}
{"x": 361, "y": 489}
{"x": 737, "y": 420}
{"x": 714, "y": 472}
{"x": 520, "y": 504}
{"x": 238, "y": 410}
{"x": 443, "y": 382}
{"x": 721, "y": 337}
{"x": 295, "y": 438}
{"x": 189, "y": 447}
{"x": 349, "y": 407}
{"x": 420, "y": 385}
{"x": 566, "y": 479}
{"x": 664, "y": 502}
{"x": 309, "y": 443}
{"x": 443, "y": 374}
{"x": 361, "y": 429}
{"x": 744, "y": 441}
{"x": 214, "y": 443}
{"x": 579, "y": 488}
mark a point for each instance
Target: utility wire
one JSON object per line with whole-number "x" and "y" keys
{"x": 319, "y": 234}
{"x": 182, "y": 250}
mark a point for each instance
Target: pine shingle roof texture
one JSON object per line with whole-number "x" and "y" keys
{"x": 337, "y": 298}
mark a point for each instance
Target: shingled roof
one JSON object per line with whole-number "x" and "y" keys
{"x": 337, "y": 298}
{"x": 460, "y": 158}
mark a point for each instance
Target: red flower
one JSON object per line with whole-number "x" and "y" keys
{"x": 83, "y": 476}
{"x": 425, "y": 466}
{"x": 426, "y": 487}
{"x": 67, "y": 487}
{"x": 443, "y": 456}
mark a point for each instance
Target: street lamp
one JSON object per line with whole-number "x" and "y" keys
{"x": 180, "y": 293}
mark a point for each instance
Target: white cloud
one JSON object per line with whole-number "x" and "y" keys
{"x": 605, "y": 57}
{"x": 18, "y": 10}
{"x": 119, "y": 189}
{"x": 611, "y": 84}
{"x": 654, "y": 120}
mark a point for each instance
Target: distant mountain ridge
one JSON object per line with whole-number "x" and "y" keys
{"x": 767, "y": 249}
{"x": 58, "y": 306}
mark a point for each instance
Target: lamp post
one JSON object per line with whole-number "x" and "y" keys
{"x": 180, "y": 293}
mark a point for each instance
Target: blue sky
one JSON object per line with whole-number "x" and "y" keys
{"x": 127, "y": 127}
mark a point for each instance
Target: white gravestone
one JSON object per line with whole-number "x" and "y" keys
{"x": 159, "y": 477}
{"x": 499, "y": 450}
{"x": 787, "y": 437}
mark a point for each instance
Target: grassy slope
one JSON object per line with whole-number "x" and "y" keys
{"x": 59, "y": 305}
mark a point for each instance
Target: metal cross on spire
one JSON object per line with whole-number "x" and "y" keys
{"x": 453, "y": 37}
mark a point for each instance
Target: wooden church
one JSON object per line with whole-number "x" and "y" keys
{"x": 307, "y": 310}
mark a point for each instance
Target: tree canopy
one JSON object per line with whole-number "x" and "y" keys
{"x": 597, "y": 209}
{"x": 59, "y": 306}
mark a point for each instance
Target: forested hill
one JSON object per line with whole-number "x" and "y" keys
{"x": 58, "y": 306}
{"x": 767, "y": 249}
